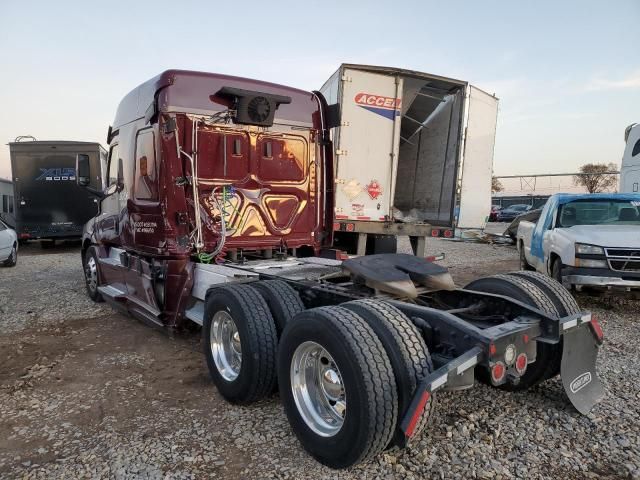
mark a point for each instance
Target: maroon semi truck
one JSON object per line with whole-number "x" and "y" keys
{"x": 218, "y": 210}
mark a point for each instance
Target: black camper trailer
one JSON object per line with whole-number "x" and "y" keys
{"x": 49, "y": 204}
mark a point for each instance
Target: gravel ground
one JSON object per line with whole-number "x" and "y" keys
{"x": 87, "y": 393}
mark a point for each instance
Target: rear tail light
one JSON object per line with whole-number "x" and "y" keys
{"x": 521, "y": 363}
{"x": 448, "y": 233}
{"x": 350, "y": 227}
{"x": 492, "y": 349}
{"x": 596, "y": 329}
{"x": 336, "y": 226}
{"x": 25, "y": 235}
{"x": 342, "y": 255}
{"x": 498, "y": 372}
{"x": 435, "y": 232}
{"x": 509, "y": 354}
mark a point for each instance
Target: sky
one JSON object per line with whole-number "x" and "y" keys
{"x": 567, "y": 73}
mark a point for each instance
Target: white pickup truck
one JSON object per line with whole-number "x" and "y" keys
{"x": 585, "y": 240}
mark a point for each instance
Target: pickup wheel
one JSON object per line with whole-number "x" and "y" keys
{"x": 240, "y": 343}
{"x": 563, "y": 301}
{"x": 337, "y": 386}
{"x": 92, "y": 274}
{"x": 527, "y": 292}
{"x": 556, "y": 270}
{"x": 524, "y": 265}
{"x": 407, "y": 352}
{"x": 282, "y": 299}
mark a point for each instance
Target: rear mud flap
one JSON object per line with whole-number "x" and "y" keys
{"x": 578, "y": 369}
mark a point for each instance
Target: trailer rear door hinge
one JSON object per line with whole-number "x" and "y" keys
{"x": 342, "y": 153}
{"x": 346, "y": 78}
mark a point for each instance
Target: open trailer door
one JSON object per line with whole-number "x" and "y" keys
{"x": 367, "y": 147}
{"x": 477, "y": 163}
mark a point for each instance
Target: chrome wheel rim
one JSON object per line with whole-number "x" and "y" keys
{"x": 91, "y": 274}
{"x": 318, "y": 389}
{"x": 226, "y": 348}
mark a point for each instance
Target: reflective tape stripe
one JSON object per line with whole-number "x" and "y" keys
{"x": 467, "y": 365}
{"x": 438, "y": 382}
{"x": 569, "y": 324}
{"x": 585, "y": 318}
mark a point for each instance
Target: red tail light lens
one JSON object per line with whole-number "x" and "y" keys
{"x": 498, "y": 371}
{"x": 350, "y": 227}
{"x": 521, "y": 363}
{"x": 336, "y": 226}
{"x": 435, "y": 232}
{"x": 448, "y": 233}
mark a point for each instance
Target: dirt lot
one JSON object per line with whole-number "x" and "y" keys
{"x": 87, "y": 393}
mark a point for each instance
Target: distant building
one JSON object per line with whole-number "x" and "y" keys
{"x": 7, "y": 206}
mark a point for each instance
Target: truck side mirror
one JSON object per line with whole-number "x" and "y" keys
{"x": 83, "y": 170}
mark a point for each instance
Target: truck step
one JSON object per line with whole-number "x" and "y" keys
{"x": 196, "y": 313}
{"x": 112, "y": 292}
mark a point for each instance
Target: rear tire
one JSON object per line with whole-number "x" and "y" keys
{"x": 240, "y": 343}
{"x": 562, "y": 299}
{"x": 527, "y": 292}
{"x": 365, "y": 374}
{"x": 407, "y": 352}
{"x": 13, "y": 257}
{"x": 282, "y": 299}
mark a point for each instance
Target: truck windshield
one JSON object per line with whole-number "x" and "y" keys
{"x": 599, "y": 212}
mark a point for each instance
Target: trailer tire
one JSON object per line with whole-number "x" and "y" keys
{"x": 92, "y": 274}
{"x": 407, "y": 352}
{"x": 562, "y": 299}
{"x": 359, "y": 366}
{"x": 527, "y": 292}
{"x": 282, "y": 299}
{"x": 240, "y": 309}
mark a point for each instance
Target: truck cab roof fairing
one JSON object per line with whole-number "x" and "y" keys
{"x": 195, "y": 92}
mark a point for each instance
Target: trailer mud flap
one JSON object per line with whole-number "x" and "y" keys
{"x": 578, "y": 369}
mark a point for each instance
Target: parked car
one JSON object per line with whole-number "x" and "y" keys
{"x": 585, "y": 240}
{"x": 493, "y": 215}
{"x": 509, "y": 213}
{"x": 8, "y": 245}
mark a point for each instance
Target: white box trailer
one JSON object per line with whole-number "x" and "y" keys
{"x": 630, "y": 167}
{"x": 413, "y": 156}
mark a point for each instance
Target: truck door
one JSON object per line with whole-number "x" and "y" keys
{"x": 367, "y": 145}
{"x": 108, "y": 220}
{"x": 477, "y": 159}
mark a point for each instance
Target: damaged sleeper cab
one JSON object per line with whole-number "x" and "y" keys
{"x": 218, "y": 210}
